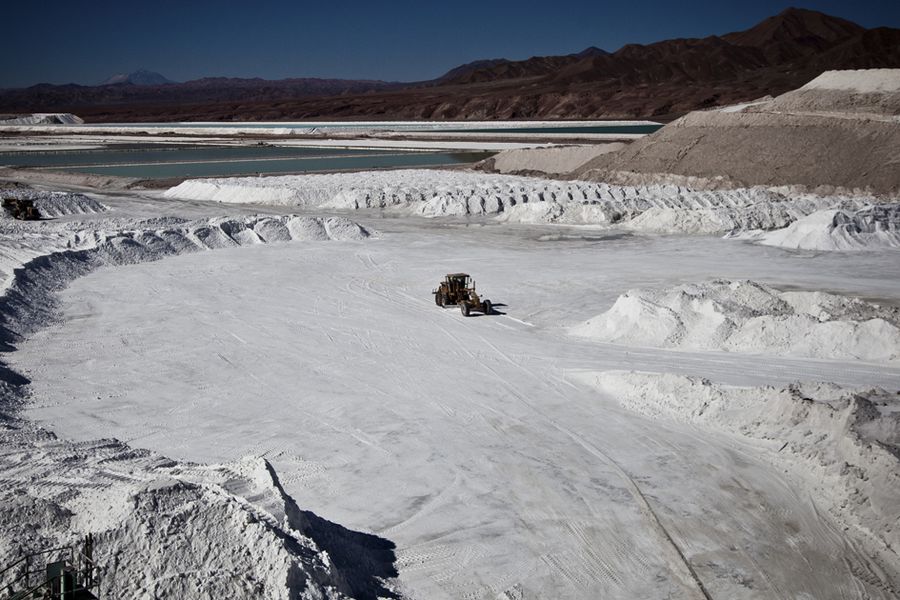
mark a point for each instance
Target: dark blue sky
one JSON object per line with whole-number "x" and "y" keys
{"x": 86, "y": 42}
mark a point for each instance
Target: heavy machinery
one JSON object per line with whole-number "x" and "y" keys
{"x": 459, "y": 289}
{"x": 66, "y": 573}
{"x": 22, "y": 209}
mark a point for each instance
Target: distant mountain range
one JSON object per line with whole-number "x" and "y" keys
{"x": 139, "y": 77}
{"x": 501, "y": 68}
{"x": 659, "y": 80}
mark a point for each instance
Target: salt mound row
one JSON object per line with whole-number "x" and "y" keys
{"x": 422, "y": 191}
{"x": 843, "y": 444}
{"x": 870, "y": 228}
{"x": 221, "y": 232}
{"x": 56, "y": 204}
{"x": 169, "y": 530}
{"x": 431, "y": 193}
{"x": 743, "y": 316}
{"x": 27, "y": 305}
{"x": 162, "y": 529}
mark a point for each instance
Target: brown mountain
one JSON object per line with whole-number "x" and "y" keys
{"x": 662, "y": 79}
{"x": 79, "y": 98}
{"x": 794, "y": 34}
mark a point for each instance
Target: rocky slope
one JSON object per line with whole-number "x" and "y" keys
{"x": 839, "y": 131}
{"x": 665, "y": 78}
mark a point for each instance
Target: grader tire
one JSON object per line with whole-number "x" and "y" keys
{"x": 464, "y": 308}
{"x": 487, "y": 307}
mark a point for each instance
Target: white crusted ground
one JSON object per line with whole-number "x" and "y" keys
{"x": 465, "y": 442}
{"x": 844, "y": 443}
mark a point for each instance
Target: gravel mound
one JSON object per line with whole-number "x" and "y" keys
{"x": 743, "y": 316}
{"x": 861, "y": 92}
{"x": 817, "y": 137}
{"x": 44, "y": 119}
{"x": 556, "y": 160}
{"x": 55, "y": 204}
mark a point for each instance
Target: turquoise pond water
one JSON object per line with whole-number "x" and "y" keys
{"x": 216, "y": 161}
{"x": 159, "y": 161}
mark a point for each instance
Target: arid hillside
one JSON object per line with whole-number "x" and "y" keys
{"x": 838, "y": 131}
{"x": 662, "y": 80}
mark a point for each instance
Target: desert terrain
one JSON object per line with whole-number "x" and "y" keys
{"x": 661, "y": 80}
{"x": 688, "y": 387}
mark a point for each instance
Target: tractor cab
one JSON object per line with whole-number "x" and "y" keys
{"x": 459, "y": 282}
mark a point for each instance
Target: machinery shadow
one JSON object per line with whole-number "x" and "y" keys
{"x": 495, "y": 311}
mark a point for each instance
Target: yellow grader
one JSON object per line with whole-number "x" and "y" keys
{"x": 459, "y": 289}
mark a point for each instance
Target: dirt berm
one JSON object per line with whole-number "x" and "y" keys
{"x": 835, "y": 132}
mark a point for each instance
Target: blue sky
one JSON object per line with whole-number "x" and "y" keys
{"x": 86, "y": 42}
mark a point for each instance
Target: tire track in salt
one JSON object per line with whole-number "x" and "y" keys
{"x": 677, "y": 560}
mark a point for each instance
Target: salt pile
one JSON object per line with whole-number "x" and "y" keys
{"x": 164, "y": 529}
{"x": 842, "y": 443}
{"x": 44, "y": 119}
{"x": 55, "y": 204}
{"x": 869, "y": 228}
{"x": 743, "y": 316}
{"x": 431, "y": 193}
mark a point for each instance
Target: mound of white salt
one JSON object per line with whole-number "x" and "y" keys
{"x": 44, "y": 119}
{"x": 842, "y": 444}
{"x": 870, "y": 228}
{"x": 55, "y": 204}
{"x": 163, "y": 530}
{"x": 744, "y": 316}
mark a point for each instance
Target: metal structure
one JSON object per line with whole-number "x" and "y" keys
{"x": 22, "y": 209}
{"x": 459, "y": 289}
{"x": 65, "y": 573}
